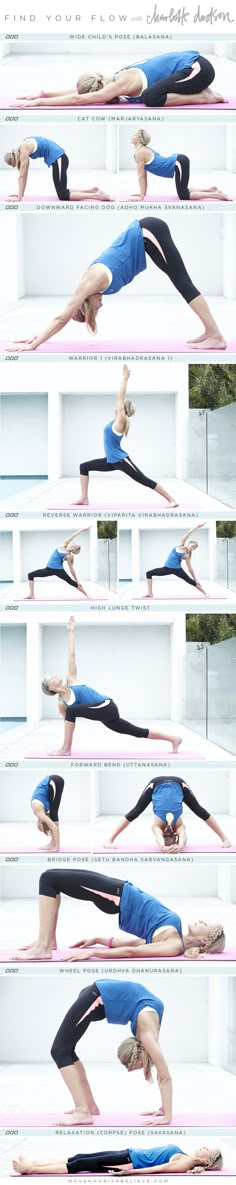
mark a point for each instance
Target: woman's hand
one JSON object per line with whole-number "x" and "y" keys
{"x": 80, "y": 957}
{"x": 86, "y": 942}
{"x": 122, "y": 1170}
{"x": 71, "y": 624}
{"x": 126, "y": 372}
{"x": 22, "y": 347}
{"x": 26, "y": 103}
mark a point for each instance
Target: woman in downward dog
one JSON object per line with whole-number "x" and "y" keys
{"x": 171, "y": 80}
{"x": 158, "y": 929}
{"x": 55, "y": 158}
{"x": 45, "y": 803}
{"x": 115, "y": 457}
{"x": 79, "y": 700}
{"x": 55, "y": 567}
{"x": 173, "y": 564}
{"x": 127, "y": 1162}
{"x": 116, "y": 267}
{"x": 167, "y": 795}
{"x": 176, "y": 165}
{"x": 118, "y": 1002}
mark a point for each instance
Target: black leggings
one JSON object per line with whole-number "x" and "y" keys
{"x": 55, "y": 800}
{"x": 179, "y": 84}
{"x": 107, "y": 714}
{"x": 101, "y": 465}
{"x": 170, "y": 572}
{"x": 97, "y": 1162}
{"x": 172, "y": 265}
{"x": 83, "y": 885}
{"x": 59, "y": 173}
{"x": 53, "y": 572}
{"x": 87, "y": 1008}
{"x": 182, "y": 177}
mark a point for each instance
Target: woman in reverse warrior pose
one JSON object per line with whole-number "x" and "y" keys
{"x": 79, "y": 700}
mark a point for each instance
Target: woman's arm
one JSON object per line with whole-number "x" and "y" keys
{"x": 188, "y": 533}
{"x": 72, "y": 666}
{"x": 141, "y": 160}
{"x": 119, "y": 421}
{"x": 177, "y": 1164}
{"x": 23, "y": 172}
{"x": 71, "y": 537}
{"x": 187, "y": 561}
{"x": 146, "y": 1034}
{"x": 136, "y": 949}
{"x": 87, "y": 287}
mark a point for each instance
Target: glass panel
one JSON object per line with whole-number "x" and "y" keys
{"x": 107, "y": 563}
{"x": 196, "y": 460}
{"x": 194, "y": 706}
{"x": 226, "y": 562}
{"x": 211, "y": 452}
{"x": 222, "y": 694}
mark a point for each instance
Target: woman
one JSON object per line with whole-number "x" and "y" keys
{"x": 171, "y": 80}
{"x": 55, "y": 158}
{"x": 167, "y": 794}
{"x": 177, "y": 165}
{"x": 80, "y": 700}
{"x": 115, "y": 457}
{"x": 116, "y": 267}
{"x": 117, "y": 1001}
{"x": 127, "y": 1162}
{"x": 173, "y": 564}
{"x": 45, "y": 802}
{"x": 158, "y": 929}
{"x": 55, "y": 567}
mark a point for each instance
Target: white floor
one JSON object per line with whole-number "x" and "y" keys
{"x": 29, "y": 73}
{"x": 96, "y": 741}
{"x": 112, "y": 492}
{"x": 40, "y": 181}
{"x": 30, "y": 315}
{"x": 140, "y": 831}
{"x": 51, "y": 590}
{"x": 170, "y": 589}
{"x": 19, "y": 918}
{"x": 13, "y": 836}
{"x": 54, "y": 1148}
{"x": 159, "y": 187}
{"x": 37, "y": 1089}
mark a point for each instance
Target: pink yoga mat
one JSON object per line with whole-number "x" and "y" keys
{"x": 228, "y": 104}
{"x": 112, "y": 1119}
{"x": 120, "y": 506}
{"x": 220, "y": 1172}
{"x": 164, "y": 197}
{"x": 133, "y": 849}
{"x": 191, "y": 755}
{"x": 60, "y": 956}
{"x": 111, "y": 347}
{"x": 41, "y": 198}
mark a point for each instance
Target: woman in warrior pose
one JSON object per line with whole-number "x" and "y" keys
{"x": 171, "y": 80}
{"x": 181, "y": 554}
{"x": 45, "y": 803}
{"x": 177, "y": 165}
{"x": 55, "y": 567}
{"x": 115, "y": 456}
{"x": 158, "y": 930}
{"x": 127, "y": 1162}
{"x": 167, "y": 795}
{"x": 79, "y": 700}
{"x": 116, "y": 267}
{"x": 35, "y": 147}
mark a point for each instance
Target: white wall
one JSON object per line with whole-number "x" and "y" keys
{"x": 152, "y": 436}
{"x": 12, "y": 255}
{"x": 119, "y": 790}
{"x": 13, "y": 661}
{"x": 125, "y": 554}
{"x": 53, "y": 999}
{"x": 56, "y": 271}
{"x": 155, "y": 546}
{"x": 23, "y": 448}
{"x": 16, "y": 789}
{"x": 130, "y": 663}
{"x": 6, "y": 557}
{"x": 86, "y": 148}
{"x": 37, "y": 546}
{"x": 170, "y": 883}
{"x": 205, "y": 145}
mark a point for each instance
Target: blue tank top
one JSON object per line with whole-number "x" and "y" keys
{"x": 160, "y": 67}
{"x": 41, "y": 792}
{"x": 125, "y": 257}
{"x": 168, "y": 796}
{"x": 56, "y": 559}
{"x": 162, "y": 166}
{"x": 46, "y": 149}
{"x": 143, "y": 1158}
{"x": 112, "y": 444}
{"x": 123, "y": 1000}
{"x": 86, "y": 695}
{"x": 141, "y": 914}
{"x": 174, "y": 558}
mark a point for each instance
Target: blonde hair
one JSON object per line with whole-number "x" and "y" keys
{"x": 215, "y": 943}
{"x": 46, "y": 689}
{"x": 13, "y": 158}
{"x": 89, "y": 82}
{"x": 43, "y": 827}
{"x": 76, "y": 548}
{"x": 216, "y": 1161}
{"x": 87, "y": 314}
{"x": 130, "y": 410}
{"x": 129, "y": 1053}
{"x": 144, "y": 137}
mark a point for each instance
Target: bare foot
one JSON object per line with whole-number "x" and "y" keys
{"x": 29, "y": 598}
{"x": 21, "y": 1165}
{"x": 213, "y": 96}
{"x": 108, "y": 843}
{"x": 31, "y": 944}
{"x": 76, "y": 1118}
{"x": 81, "y": 502}
{"x": 104, "y": 197}
{"x": 211, "y": 343}
{"x": 147, "y": 597}
{"x": 176, "y": 743}
{"x": 33, "y": 953}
